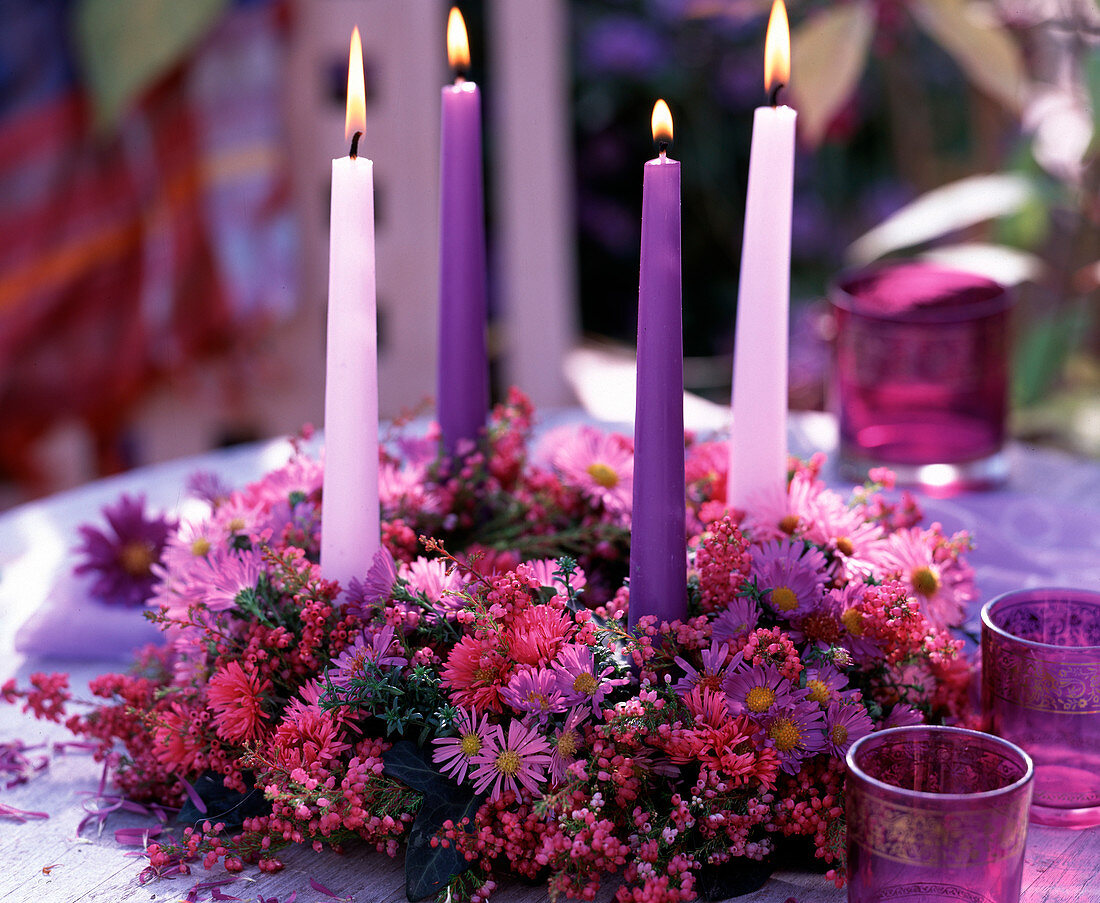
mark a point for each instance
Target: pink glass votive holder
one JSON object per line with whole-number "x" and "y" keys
{"x": 936, "y": 813}
{"x": 921, "y": 375}
{"x": 1041, "y": 690}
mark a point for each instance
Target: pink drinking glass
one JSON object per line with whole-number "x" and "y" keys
{"x": 921, "y": 375}
{"x": 936, "y": 813}
{"x": 1041, "y": 690}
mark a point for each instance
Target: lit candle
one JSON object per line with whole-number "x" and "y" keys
{"x": 758, "y": 442}
{"x": 350, "y": 533}
{"x": 463, "y": 378}
{"x": 658, "y": 566}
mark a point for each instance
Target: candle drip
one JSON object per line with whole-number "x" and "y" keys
{"x": 354, "y": 152}
{"x": 773, "y": 95}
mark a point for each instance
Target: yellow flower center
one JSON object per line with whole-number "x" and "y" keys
{"x": 485, "y": 675}
{"x": 789, "y": 523}
{"x": 200, "y": 547}
{"x": 470, "y": 745}
{"x": 784, "y": 599}
{"x": 925, "y": 581}
{"x": 852, "y": 619}
{"x": 585, "y": 683}
{"x": 785, "y": 733}
{"x": 136, "y": 558}
{"x": 839, "y": 734}
{"x": 603, "y": 474}
{"x": 236, "y": 525}
{"x": 760, "y": 699}
{"x": 844, "y": 546}
{"x": 568, "y": 742}
{"x": 819, "y": 691}
{"x": 537, "y": 701}
{"x": 508, "y": 762}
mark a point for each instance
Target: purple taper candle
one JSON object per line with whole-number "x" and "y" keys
{"x": 658, "y": 558}
{"x": 462, "y": 395}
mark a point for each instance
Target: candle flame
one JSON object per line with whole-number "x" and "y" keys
{"x": 458, "y": 44}
{"x": 661, "y": 122}
{"x": 777, "y": 48}
{"x": 355, "y": 119}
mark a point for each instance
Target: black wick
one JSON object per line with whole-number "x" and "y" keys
{"x": 663, "y": 144}
{"x": 355, "y": 145}
{"x": 773, "y": 97}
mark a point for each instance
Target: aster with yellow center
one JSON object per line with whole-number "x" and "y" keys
{"x": 454, "y": 755}
{"x": 819, "y": 691}
{"x": 603, "y": 474}
{"x": 925, "y": 581}
{"x": 783, "y": 598}
{"x": 511, "y": 762}
{"x": 760, "y": 699}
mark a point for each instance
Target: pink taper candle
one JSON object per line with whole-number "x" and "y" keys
{"x": 758, "y": 442}
{"x": 463, "y": 378}
{"x": 658, "y": 558}
{"x": 350, "y": 532}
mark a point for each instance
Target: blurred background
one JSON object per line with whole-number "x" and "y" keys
{"x": 164, "y": 196}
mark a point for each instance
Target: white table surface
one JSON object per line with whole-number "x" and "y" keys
{"x": 1043, "y": 529}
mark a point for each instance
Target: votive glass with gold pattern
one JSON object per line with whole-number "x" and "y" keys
{"x": 936, "y": 813}
{"x": 1041, "y": 690}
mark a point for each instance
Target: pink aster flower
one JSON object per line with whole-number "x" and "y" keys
{"x": 713, "y": 672}
{"x": 509, "y": 762}
{"x": 824, "y": 684}
{"x": 223, "y": 575}
{"x": 438, "y": 582}
{"x": 777, "y": 513}
{"x": 792, "y": 577}
{"x": 902, "y": 715}
{"x": 453, "y": 755}
{"x": 759, "y": 690}
{"x": 375, "y": 588}
{"x": 796, "y": 732}
{"x": 537, "y": 633}
{"x": 600, "y": 465}
{"x": 236, "y": 696}
{"x": 567, "y": 741}
{"x": 941, "y": 584}
{"x": 543, "y": 571}
{"x": 844, "y": 724}
{"x": 577, "y": 678}
{"x": 122, "y": 557}
{"x": 534, "y": 690}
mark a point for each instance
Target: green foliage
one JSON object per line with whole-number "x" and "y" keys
{"x": 429, "y": 869}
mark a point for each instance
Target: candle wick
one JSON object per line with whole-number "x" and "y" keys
{"x": 355, "y": 145}
{"x": 773, "y": 97}
{"x": 663, "y": 145}
{"x": 460, "y": 76}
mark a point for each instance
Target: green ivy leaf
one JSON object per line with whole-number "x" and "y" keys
{"x": 429, "y": 869}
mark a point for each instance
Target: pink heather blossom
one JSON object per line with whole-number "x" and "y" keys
{"x": 791, "y": 577}
{"x": 534, "y": 690}
{"x": 507, "y": 763}
{"x": 453, "y": 755}
{"x": 600, "y": 465}
{"x": 236, "y": 697}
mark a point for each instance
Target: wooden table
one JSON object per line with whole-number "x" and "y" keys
{"x": 1045, "y": 529}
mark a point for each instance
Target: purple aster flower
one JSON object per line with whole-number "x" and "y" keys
{"x": 566, "y": 743}
{"x": 360, "y": 595}
{"x": 902, "y": 715}
{"x": 824, "y": 684}
{"x": 791, "y": 576}
{"x": 208, "y": 486}
{"x": 122, "y": 557}
{"x": 577, "y": 679}
{"x": 454, "y": 754}
{"x": 506, "y": 763}
{"x": 713, "y": 673}
{"x": 844, "y": 724}
{"x": 843, "y": 603}
{"x": 796, "y": 731}
{"x": 737, "y": 621}
{"x": 379, "y": 650}
{"x": 534, "y": 690}
{"x": 760, "y": 690}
